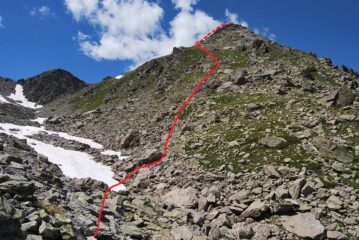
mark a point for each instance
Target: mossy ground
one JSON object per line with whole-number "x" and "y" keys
{"x": 247, "y": 132}
{"x": 90, "y": 99}
{"x": 273, "y": 119}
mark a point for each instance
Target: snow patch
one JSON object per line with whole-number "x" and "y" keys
{"x": 113, "y": 153}
{"x": 3, "y": 100}
{"x": 31, "y": 130}
{"x": 73, "y": 164}
{"x": 20, "y": 98}
{"x": 76, "y": 164}
{"x": 119, "y": 76}
{"x": 39, "y": 120}
{"x": 87, "y": 141}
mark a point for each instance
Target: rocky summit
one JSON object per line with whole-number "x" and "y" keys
{"x": 267, "y": 149}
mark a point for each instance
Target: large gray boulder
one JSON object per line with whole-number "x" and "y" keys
{"x": 329, "y": 149}
{"x": 181, "y": 197}
{"x": 304, "y": 225}
{"x": 255, "y": 210}
{"x": 340, "y": 97}
{"x": 238, "y": 76}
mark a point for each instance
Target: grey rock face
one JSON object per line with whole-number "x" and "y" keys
{"x": 181, "y": 197}
{"x": 33, "y": 237}
{"x": 340, "y": 97}
{"x": 334, "y": 202}
{"x": 48, "y": 231}
{"x": 296, "y": 187}
{"x": 182, "y": 233}
{"x": 273, "y": 142}
{"x": 332, "y": 150}
{"x": 304, "y": 225}
{"x": 271, "y": 172}
{"x": 17, "y": 187}
{"x": 241, "y": 231}
{"x": 283, "y": 207}
{"x": 239, "y": 76}
{"x": 130, "y": 139}
{"x": 336, "y": 235}
{"x": 255, "y": 210}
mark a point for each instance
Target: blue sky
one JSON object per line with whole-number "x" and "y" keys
{"x": 94, "y": 40}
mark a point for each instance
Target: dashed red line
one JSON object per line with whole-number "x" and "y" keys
{"x": 169, "y": 134}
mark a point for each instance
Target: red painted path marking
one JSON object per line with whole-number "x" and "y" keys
{"x": 181, "y": 108}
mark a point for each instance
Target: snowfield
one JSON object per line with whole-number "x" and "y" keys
{"x": 31, "y": 130}
{"x": 73, "y": 164}
{"x": 20, "y": 98}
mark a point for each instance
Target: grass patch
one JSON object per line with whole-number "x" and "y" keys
{"x": 93, "y": 98}
{"x": 237, "y": 59}
{"x": 326, "y": 80}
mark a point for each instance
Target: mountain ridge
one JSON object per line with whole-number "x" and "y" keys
{"x": 44, "y": 87}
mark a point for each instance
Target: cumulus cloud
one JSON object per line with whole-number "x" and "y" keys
{"x": 233, "y": 17}
{"x": 42, "y": 12}
{"x": 82, "y": 8}
{"x": 185, "y": 5}
{"x": 188, "y": 27}
{"x": 131, "y": 29}
{"x": 1, "y": 25}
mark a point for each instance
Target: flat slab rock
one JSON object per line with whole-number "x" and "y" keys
{"x": 304, "y": 225}
{"x": 273, "y": 142}
{"x": 180, "y": 197}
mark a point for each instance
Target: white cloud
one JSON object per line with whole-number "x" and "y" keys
{"x": 233, "y": 17}
{"x": 265, "y": 32}
{"x": 185, "y": 5}
{"x": 188, "y": 27}
{"x": 1, "y": 25}
{"x": 82, "y": 8}
{"x": 272, "y": 36}
{"x": 243, "y": 23}
{"x": 82, "y": 37}
{"x": 43, "y": 12}
{"x": 131, "y": 29}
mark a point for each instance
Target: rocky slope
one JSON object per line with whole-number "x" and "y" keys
{"x": 37, "y": 201}
{"x": 6, "y": 86}
{"x": 268, "y": 149}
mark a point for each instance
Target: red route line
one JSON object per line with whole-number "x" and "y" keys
{"x": 181, "y": 108}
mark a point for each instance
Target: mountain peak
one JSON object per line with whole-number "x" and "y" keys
{"x": 49, "y": 85}
{"x": 233, "y": 36}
